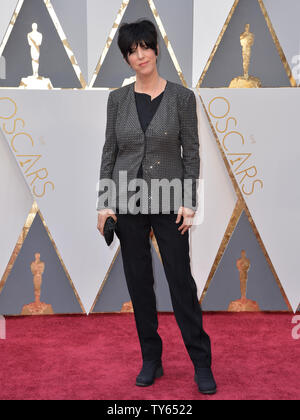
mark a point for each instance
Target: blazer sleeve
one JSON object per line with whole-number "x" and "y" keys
{"x": 110, "y": 149}
{"x": 190, "y": 148}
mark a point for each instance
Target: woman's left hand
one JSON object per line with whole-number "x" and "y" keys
{"x": 188, "y": 215}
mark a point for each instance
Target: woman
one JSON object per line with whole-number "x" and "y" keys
{"x": 147, "y": 124}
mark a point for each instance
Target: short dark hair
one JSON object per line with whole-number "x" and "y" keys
{"x": 137, "y": 33}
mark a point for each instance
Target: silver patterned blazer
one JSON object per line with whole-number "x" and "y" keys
{"x": 169, "y": 149}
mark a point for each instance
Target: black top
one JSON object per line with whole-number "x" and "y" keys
{"x": 146, "y": 110}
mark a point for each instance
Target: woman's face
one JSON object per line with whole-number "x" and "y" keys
{"x": 142, "y": 59}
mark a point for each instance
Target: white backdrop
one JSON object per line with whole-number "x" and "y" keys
{"x": 67, "y": 128}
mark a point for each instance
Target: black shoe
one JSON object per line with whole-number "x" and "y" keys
{"x": 205, "y": 380}
{"x": 151, "y": 370}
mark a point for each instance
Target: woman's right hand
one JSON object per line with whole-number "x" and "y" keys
{"x": 102, "y": 216}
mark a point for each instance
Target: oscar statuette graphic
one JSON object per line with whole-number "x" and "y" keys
{"x": 37, "y": 307}
{"x": 155, "y": 244}
{"x": 35, "y": 81}
{"x": 246, "y": 81}
{"x": 127, "y": 307}
{"x": 243, "y": 304}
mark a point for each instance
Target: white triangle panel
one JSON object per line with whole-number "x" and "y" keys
{"x": 68, "y": 132}
{"x": 260, "y": 128}
{"x": 7, "y": 10}
{"x": 217, "y": 204}
{"x": 209, "y": 19}
{"x": 101, "y": 16}
{"x": 284, "y": 16}
{"x": 16, "y": 202}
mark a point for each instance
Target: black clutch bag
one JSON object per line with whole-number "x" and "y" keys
{"x": 109, "y": 230}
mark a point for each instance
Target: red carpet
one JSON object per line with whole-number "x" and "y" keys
{"x": 98, "y": 357}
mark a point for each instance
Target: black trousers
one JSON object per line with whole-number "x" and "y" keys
{"x": 133, "y": 232}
